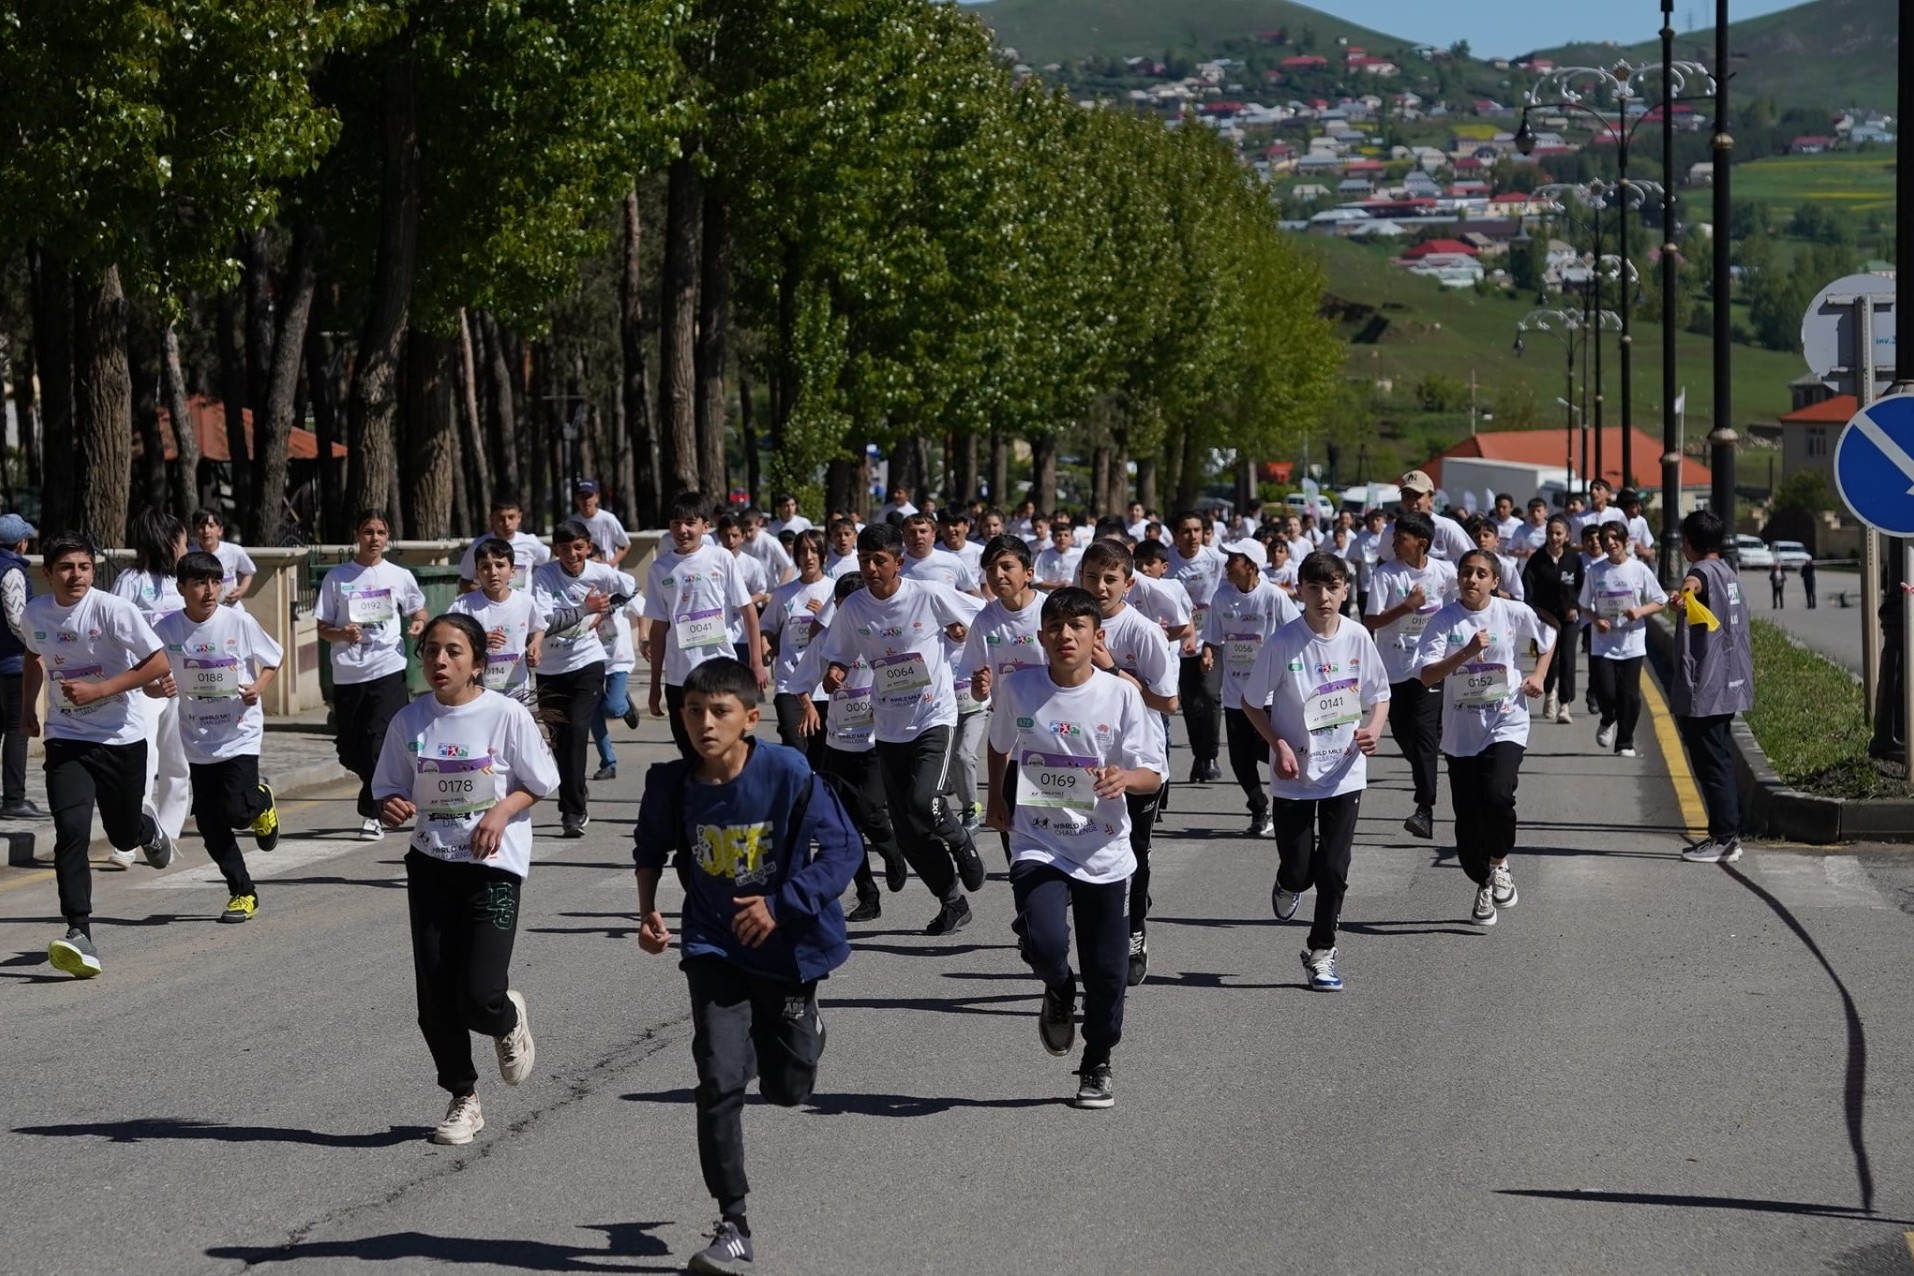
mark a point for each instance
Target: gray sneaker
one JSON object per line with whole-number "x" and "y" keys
{"x": 1502, "y": 887}
{"x": 1096, "y": 1089}
{"x": 516, "y": 1050}
{"x": 159, "y": 851}
{"x": 1283, "y": 902}
{"x": 1714, "y": 851}
{"x": 74, "y": 953}
{"x": 1483, "y": 914}
{"x": 728, "y": 1254}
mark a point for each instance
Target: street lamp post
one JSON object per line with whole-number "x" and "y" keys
{"x": 1574, "y": 328}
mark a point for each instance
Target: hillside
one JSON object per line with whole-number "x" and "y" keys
{"x": 1830, "y": 53}
{"x": 1043, "y": 31}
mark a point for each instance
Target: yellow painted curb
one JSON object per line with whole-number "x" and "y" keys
{"x": 1687, "y": 796}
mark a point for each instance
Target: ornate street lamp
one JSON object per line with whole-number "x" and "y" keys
{"x": 1574, "y": 328}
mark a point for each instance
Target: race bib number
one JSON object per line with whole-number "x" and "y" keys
{"x": 87, "y": 673}
{"x": 965, "y": 701}
{"x": 1241, "y": 650}
{"x": 1057, "y": 781}
{"x": 371, "y": 607}
{"x": 1199, "y": 617}
{"x": 901, "y": 677}
{"x": 1416, "y": 622}
{"x": 522, "y": 578}
{"x": 1611, "y": 604}
{"x": 1481, "y": 686}
{"x": 211, "y": 677}
{"x": 1333, "y": 704}
{"x": 500, "y": 666}
{"x": 802, "y": 628}
{"x": 700, "y": 629}
{"x": 451, "y": 793}
{"x": 851, "y": 710}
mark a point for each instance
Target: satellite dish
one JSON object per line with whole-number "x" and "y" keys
{"x": 1468, "y": 501}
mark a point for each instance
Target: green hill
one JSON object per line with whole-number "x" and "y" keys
{"x": 1830, "y": 53}
{"x": 1043, "y": 31}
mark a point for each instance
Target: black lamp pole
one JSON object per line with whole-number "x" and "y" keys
{"x": 1721, "y": 455}
{"x": 1671, "y": 444}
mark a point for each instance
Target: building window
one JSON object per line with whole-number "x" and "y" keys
{"x": 1817, "y": 441}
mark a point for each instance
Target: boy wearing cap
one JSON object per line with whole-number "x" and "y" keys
{"x": 16, "y": 587}
{"x": 607, "y": 533}
{"x": 1448, "y": 541}
{"x": 1244, "y": 611}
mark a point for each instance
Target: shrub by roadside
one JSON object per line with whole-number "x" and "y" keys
{"x": 1808, "y": 717}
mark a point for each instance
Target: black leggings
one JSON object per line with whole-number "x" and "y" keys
{"x": 80, "y": 776}
{"x": 1313, "y": 841}
{"x": 1248, "y": 754}
{"x": 1560, "y": 677}
{"x": 464, "y": 920}
{"x": 1143, "y": 808}
{"x": 1482, "y": 790}
{"x": 361, "y": 712}
{"x": 916, "y": 773}
{"x": 227, "y": 796}
{"x": 1201, "y": 695}
{"x": 862, "y": 789}
{"x": 1618, "y": 690}
{"x": 574, "y": 699}
{"x": 1415, "y": 721}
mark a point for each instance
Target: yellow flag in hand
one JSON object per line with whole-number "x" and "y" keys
{"x": 1697, "y": 613}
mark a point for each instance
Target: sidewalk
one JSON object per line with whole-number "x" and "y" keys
{"x": 296, "y": 757}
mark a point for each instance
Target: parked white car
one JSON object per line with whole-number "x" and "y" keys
{"x": 1298, "y": 503}
{"x": 1792, "y": 555}
{"x": 1752, "y": 551}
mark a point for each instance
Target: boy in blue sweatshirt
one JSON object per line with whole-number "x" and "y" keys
{"x": 764, "y": 849}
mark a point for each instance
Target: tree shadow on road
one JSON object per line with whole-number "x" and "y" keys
{"x": 626, "y": 1240}
{"x": 884, "y": 1105}
{"x": 142, "y": 1129}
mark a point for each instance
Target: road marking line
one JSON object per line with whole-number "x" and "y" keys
{"x": 1687, "y": 796}
{"x": 262, "y": 865}
{"x": 30, "y": 879}
{"x": 1909, "y": 1238}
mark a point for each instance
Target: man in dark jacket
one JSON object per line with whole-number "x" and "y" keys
{"x": 1714, "y": 680}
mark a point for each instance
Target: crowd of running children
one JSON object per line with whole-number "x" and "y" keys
{"x": 900, "y": 657}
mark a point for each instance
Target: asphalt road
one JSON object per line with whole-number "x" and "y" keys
{"x": 1648, "y": 1066}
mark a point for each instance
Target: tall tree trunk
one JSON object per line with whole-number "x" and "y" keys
{"x": 53, "y": 352}
{"x": 748, "y": 438}
{"x": 256, "y": 254}
{"x": 968, "y": 449}
{"x": 322, "y": 381}
{"x": 503, "y": 420}
{"x": 841, "y": 486}
{"x": 640, "y": 425}
{"x": 372, "y": 466}
{"x": 1100, "y": 480}
{"x": 9, "y": 374}
{"x": 431, "y": 428}
{"x": 1146, "y": 485}
{"x": 182, "y": 483}
{"x": 143, "y": 347}
{"x": 477, "y": 470}
{"x": 26, "y": 412}
{"x": 103, "y": 421}
{"x": 282, "y": 387}
{"x": 677, "y": 368}
{"x": 1043, "y": 471}
{"x": 232, "y": 391}
{"x": 1000, "y": 471}
{"x": 1189, "y": 472}
{"x": 713, "y": 344}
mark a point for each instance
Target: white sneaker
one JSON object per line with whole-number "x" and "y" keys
{"x": 1563, "y": 716}
{"x": 1713, "y": 851}
{"x": 516, "y": 1050}
{"x": 1550, "y": 706}
{"x": 1484, "y": 912}
{"x": 1605, "y": 737}
{"x": 116, "y": 858}
{"x": 462, "y": 1120}
{"x": 1502, "y": 887}
{"x": 1627, "y": 753}
{"x": 373, "y": 831}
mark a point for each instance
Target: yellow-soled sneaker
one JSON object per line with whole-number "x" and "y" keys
{"x": 240, "y": 908}
{"x": 266, "y": 827}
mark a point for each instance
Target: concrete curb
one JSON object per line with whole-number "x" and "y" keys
{"x": 1772, "y": 808}
{"x": 286, "y": 782}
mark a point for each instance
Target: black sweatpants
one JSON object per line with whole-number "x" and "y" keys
{"x": 1248, "y": 755}
{"x": 1482, "y": 790}
{"x": 745, "y": 1025}
{"x": 1143, "y": 808}
{"x": 574, "y": 698}
{"x": 80, "y": 776}
{"x": 227, "y": 796}
{"x": 1711, "y": 755}
{"x": 13, "y": 741}
{"x": 790, "y": 711}
{"x": 1415, "y": 722}
{"x": 1201, "y": 697}
{"x": 1045, "y": 899}
{"x": 361, "y": 712}
{"x": 464, "y": 920}
{"x": 916, "y": 772}
{"x": 862, "y": 789}
{"x": 1560, "y": 677}
{"x": 1618, "y": 690}
{"x": 1313, "y": 841}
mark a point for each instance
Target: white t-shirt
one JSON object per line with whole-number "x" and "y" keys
{"x": 1512, "y": 577}
{"x": 1450, "y": 542}
{"x": 237, "y": 563}
{"x": 1053, "y": 736}
{"x": 1482, "y": 701}
{"x": 1237, "y": 627}
{"x": 1005, "y": 640}
{"x": 1608, "y": 590}
{"x": 1199, "y": 577}
{"x": 795, "y": 523}
{"x": 527, "y": 553}
{"x": 756, "y": 581}
{"x": 1367, "y": 552}
{"x": 1053, "y": 568}
{"x": 849, "y": 722}
{"x": 837, "y": 568}
{"x": 1399, "y": 640}
{"x": 607, "y": 533}
{"x": 99, "y": 637}
{"x": 1138, "y": 646}
{"x": 380, "y": 600}
{"x": 580, "y": 644}
{"x": 769, "y": 553}
{"x": 790, "y": 617}
{"x": 515, "y": 619}
{"x": 884, "y": 511}
{"x": 696, "y": 596}
{"x": 942, "y": 567}
{"x": 1284, "y": 577}
{"x": 1527, "y": 539}
{"x": 1319, "y": 690}
{"x": 455, "y": 762}
{"x": 155, "y": 594}
{"x": 902, "y": 638}
{"x": 1595, "y": 518}
{"x": 1641, "y": 537}
{"x": 1505, "y": 529}
{"x": 210, "y": 662}
{"x": 1164, "y": 601}
{"x": 973, "y": 556}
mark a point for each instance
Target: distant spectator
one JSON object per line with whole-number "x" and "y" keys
{"x": 1807, "y": 582}
{"x": 1778, "y": 582}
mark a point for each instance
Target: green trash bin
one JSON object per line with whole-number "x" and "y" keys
{"x": 439, "y": 584}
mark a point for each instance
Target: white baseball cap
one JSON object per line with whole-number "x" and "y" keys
{"x": 1250, "y": 549}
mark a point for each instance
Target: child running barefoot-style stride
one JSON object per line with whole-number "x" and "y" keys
{"x": 763, "y": 850}
{"x": 1068, "y": 744}
{"x": 221, "y": 662}
{"x": 468, "y": 764}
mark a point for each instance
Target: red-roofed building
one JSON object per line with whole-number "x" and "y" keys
{"x": 209, "y": 427}
{"x": 1550, "y": 447}
{"x": 1304, "y": 62}
{"x": 1808, "y": 434}
{"x": 1434, "y": 246}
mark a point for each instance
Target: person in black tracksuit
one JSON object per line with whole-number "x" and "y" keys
{"x": 1552, "y": 585}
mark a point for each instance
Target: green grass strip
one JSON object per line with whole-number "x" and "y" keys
{"x": 1808, "y": 717}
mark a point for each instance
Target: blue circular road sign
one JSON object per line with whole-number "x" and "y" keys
{"x": 1874, "y": 465}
